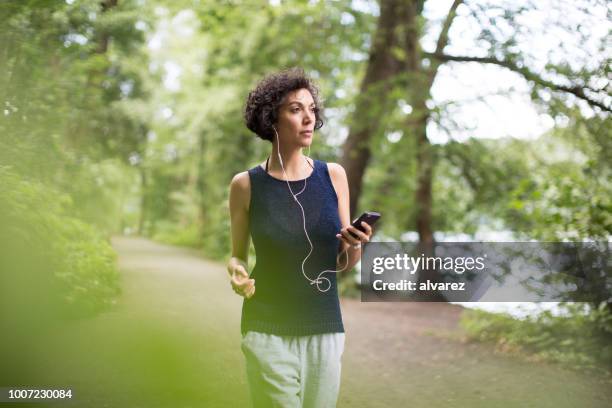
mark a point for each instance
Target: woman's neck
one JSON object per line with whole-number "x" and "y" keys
{"x": 294, "y": 161}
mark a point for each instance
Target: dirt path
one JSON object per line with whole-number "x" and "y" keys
{"x": 396, "y": 354}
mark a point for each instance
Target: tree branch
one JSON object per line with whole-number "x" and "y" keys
{"x": 443, "y": 37}
{"x": 443, "y": 40}
{"x": 525, "y": 72}
{"x": 420, "y": 6}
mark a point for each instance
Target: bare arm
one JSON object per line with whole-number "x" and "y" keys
{"x": 340, "y": 182}
{"x": 237, "y": 267}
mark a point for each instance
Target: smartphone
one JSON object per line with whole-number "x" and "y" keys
{"x": 370, "y": 217}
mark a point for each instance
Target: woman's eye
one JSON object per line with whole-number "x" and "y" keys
{"x": 295, "y": 110}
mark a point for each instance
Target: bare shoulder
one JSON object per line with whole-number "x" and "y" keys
{"x": 241, "y": 180}
{"x": 240, "y": 189}
{"x": 336, "y": 172}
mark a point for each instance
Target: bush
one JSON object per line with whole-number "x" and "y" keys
{"x": 50, "y": 257}
{"x": 580, "y": 339}
{"x": 171, "y": 233}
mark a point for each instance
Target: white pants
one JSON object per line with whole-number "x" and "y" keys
{"x": 293, "y": 371}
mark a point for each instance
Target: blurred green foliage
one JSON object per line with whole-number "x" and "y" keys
{"x": 126, "y": 117}
{"x": 568, "y": 193}
{"x": 197, "y": 140}
{"x": 64, "y": 144}
{"x": 37, "y": 225}
{"x": 133, "y": 109}
{"x": 579, "y": 338}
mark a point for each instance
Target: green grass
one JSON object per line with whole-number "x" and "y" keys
{"x": 581, "y": 339}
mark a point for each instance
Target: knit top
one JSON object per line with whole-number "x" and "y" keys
{"x": 285, "y": 302}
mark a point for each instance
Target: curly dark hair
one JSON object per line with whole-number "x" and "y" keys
{"x": 263, "y": 102}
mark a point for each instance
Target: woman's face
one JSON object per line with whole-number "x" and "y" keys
{"x": 296, "y": 119}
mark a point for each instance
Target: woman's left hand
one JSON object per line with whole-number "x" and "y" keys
{"x": 363, "y": 237}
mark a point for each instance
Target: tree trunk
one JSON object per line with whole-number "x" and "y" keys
{"x": 143, "y": 200}
{"x": 104, "y": 36}
{"x": 389, "y": 57}
{"x": 398, "y": 30}
{"x": 102, "y": 39}
{"x": 395, "y": 53}
{"x": 202, "y": 187}
{"x": 423, "y": 197}
{"x": 425, "y": 159}
{"x": 424, "y": 202}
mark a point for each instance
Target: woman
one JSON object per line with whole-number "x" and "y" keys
{"x": 297, "y": 211}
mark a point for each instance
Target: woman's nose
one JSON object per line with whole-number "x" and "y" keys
{"x": 309, "y": 117}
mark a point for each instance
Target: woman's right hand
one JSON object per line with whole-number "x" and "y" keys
{"x": 240, "y": 281}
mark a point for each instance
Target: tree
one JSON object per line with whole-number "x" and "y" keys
{"x": 396, "y": 52}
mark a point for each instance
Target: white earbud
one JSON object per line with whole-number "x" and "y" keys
{"x": 319, "y": 279}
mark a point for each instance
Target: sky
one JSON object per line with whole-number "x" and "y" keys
{"x": 498, "y": 115}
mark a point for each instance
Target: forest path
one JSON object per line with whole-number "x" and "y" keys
{"x": 396, "y": 355}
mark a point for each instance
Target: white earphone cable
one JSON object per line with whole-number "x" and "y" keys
{"x": 319, "y": 279}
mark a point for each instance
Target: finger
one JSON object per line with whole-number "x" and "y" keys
{"x": 364, "y": 236}
{"x": 361, "y": 234}
{"x": 248, "y": 291}
{"x": 240, "y": 277}
{"x": 236, "y": 289}
{"x": 361, "y": 237}
{"x": 239, "y": 288}
{"x": 345, "y": 243}
{"x": 240, "y": 271}
{"x": 246, "y": 285}
{"x": 351, "y": 240}
{"x": 367, "y": 227}
{"x": 346, "y": 238}
{"x": 238, "y": 283}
